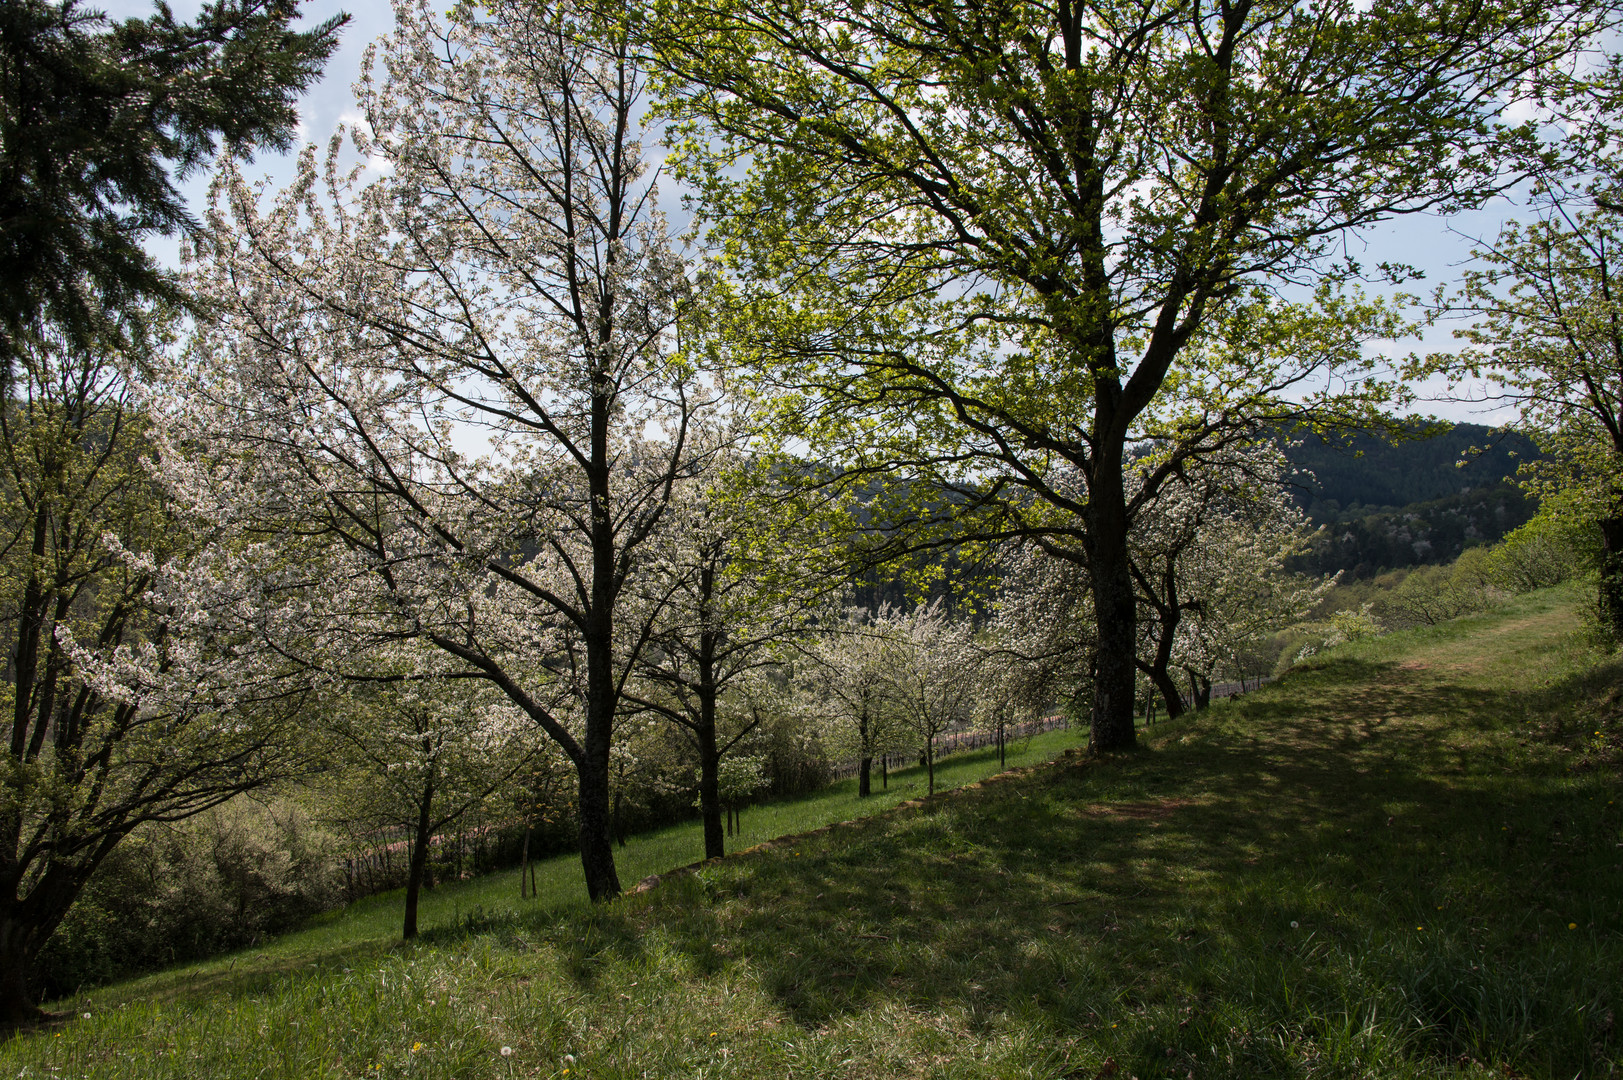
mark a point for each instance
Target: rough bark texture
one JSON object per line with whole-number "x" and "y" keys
{"x": 1611, "y": 576}
{"x": 715, "y": 845}
{"x": 18, "y": 951}
{"x": 596, "y": 843}
{"x": 1115, "y": 601}
{"x": 1111, "y": 720}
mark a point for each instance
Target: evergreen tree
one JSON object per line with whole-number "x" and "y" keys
{"x": 97, "y": 123}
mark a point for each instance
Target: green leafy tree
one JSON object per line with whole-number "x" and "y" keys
{"x": 993, "y": 245}
{"x": 1548, "y": 336}
{"x": 1429, "y": 595}
{"x": 117, "y": 711}
{"x": 99, "y": 120}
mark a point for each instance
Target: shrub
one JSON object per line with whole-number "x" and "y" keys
{"x": 1546, "y": 551}
{"x": 224, "y": 879}
{"x": 1429, "y": 595}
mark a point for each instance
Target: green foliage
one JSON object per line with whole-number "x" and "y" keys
{"x": 93, "y": 751}
{"x": 1421, "y": 500}
{"x": 1362, "y": 543}
{"x": 1348, "y": 626}
{"x": 985, "y": 250}
{"x": 1429, "y": 595}
{"x": 1546, "y": 551}
{"x": 1551, "y": 548}
{"x": 97, "y": 122}
{"x": 1545, "y": 297}
{"x": 1428, "y": 462}
{"x": 226, "y": 879}
{"x": 740, "y": 778}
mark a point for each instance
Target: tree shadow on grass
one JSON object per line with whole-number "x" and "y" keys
{"x": 1325, "y": 856}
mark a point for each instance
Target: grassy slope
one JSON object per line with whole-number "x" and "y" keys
{"x": 1403, "y": 860}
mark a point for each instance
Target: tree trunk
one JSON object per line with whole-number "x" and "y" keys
{"x": 884, "y": 771}
{"x": 1201, "y": 686}
{"x": 602, "y": 687}
{"x": 419, "y": 861}
{"x": 19, "y": 949}
{"x": 1168, "y": 614}
{"x": 929, "y": 763}
{"x": 1611, "y": 577}
{"x": 715, "y": 846}
{"x": 26, "y": 926}
{"x": 1116, "y": 616}
{"x": 865, "y": 778}
{"x": 1171, "y": 696}
{"x": 596, "y": 845}
{"x": 524, "y": 864}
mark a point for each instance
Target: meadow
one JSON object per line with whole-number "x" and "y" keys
{"x": 1404, "y": 859}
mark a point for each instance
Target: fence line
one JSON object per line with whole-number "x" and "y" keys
{"x": 958, "y": 742}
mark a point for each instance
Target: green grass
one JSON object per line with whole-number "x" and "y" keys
{"x": 1403, "y": 860}
{"x": 371, "y": 927}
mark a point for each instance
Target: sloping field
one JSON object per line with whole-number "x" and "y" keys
{"x": 1404, "y": 860}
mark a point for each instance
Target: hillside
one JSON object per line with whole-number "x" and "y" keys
{"x": 1364, "y": 543}
{"x": 1422, "y": 501}
{"x": 1367, "y": 473}
{"x": 1403, "y": 860}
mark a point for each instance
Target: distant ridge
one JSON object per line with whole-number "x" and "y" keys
{"x": 1370, "y": 473}
{"x": 1389, "y": 506}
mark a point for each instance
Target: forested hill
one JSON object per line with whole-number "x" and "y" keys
{"x": 1395, "y": 505}
{"x": 1388, "y": 505}
{"x": 1367, "y": 472}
